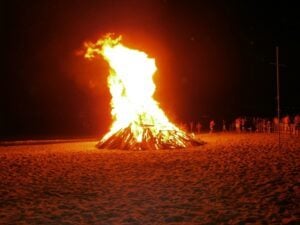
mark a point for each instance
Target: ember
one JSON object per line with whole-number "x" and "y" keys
{"x": 138, "y": 121}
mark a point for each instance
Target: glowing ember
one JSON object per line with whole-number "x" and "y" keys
{"x": 138, "y": 121}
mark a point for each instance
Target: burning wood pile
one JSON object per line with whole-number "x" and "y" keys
{"x": 138, "y": 122}
{"x": 165, "y": 139}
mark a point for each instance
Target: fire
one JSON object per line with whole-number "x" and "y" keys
{"x": 137, "y": 118}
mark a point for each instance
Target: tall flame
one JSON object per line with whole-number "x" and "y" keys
{"x": 131, "y": 86}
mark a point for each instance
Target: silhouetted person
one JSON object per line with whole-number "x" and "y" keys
{"x": 238, "y": 124}
{"x": 198, "y": 126}
{"x": 269, "y": 126}
{"x": 211, "y": 126}
{"x": 297, "y": 124}
{"x": 223, "y": 125}
{"x": 286, "y": 123}
{"x": 243, "y": 122}
{"x": 276, "y": 124}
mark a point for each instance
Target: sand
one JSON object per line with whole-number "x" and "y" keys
{"x": 233, "y": 179}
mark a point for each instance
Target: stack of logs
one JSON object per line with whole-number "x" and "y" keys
{"x": 165, "y": 139}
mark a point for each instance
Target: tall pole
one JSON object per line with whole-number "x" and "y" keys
{"x": 278, "y": 93}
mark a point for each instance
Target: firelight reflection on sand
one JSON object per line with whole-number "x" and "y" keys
{"x": 131, "y": 86}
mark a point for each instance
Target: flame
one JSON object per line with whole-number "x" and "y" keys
{"x": 131, "y": 86}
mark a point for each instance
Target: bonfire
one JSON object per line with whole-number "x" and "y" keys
{"x": 138, "y": 121}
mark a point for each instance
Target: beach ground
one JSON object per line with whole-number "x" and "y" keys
{"x": 232, "y": 179}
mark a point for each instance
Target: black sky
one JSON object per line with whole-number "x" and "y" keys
{"x": 214, "y": 61}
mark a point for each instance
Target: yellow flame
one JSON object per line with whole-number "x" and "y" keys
{"x": 131, "y": 86}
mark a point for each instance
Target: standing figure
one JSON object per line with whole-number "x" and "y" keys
{"x": 297, "y": 124}
{"x": 286, "y": 124}
{"x": 268, "y": 126}
{"x": 243, "y": 122}
{"x": 211, "y": 126}
{"x": 276, "y": 124}
{"x": 198, "y": 126}
{"x": 238, "y": 124}
{"x": 224, "y": 126}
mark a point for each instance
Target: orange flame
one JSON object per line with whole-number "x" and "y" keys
{"x": 131, "y": 86}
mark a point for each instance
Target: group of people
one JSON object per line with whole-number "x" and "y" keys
{"x": 287, "y": 124}
{"x": 267, "y": 125}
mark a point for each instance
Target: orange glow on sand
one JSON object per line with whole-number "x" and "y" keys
{"x": 138, "y": 121}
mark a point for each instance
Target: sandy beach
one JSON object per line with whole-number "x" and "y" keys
{"x": 233, "y": 179}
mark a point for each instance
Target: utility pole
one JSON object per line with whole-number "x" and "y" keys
{"x": 278, "y": 93}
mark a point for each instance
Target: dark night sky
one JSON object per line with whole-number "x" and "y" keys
{"x": 214, "y": 61}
